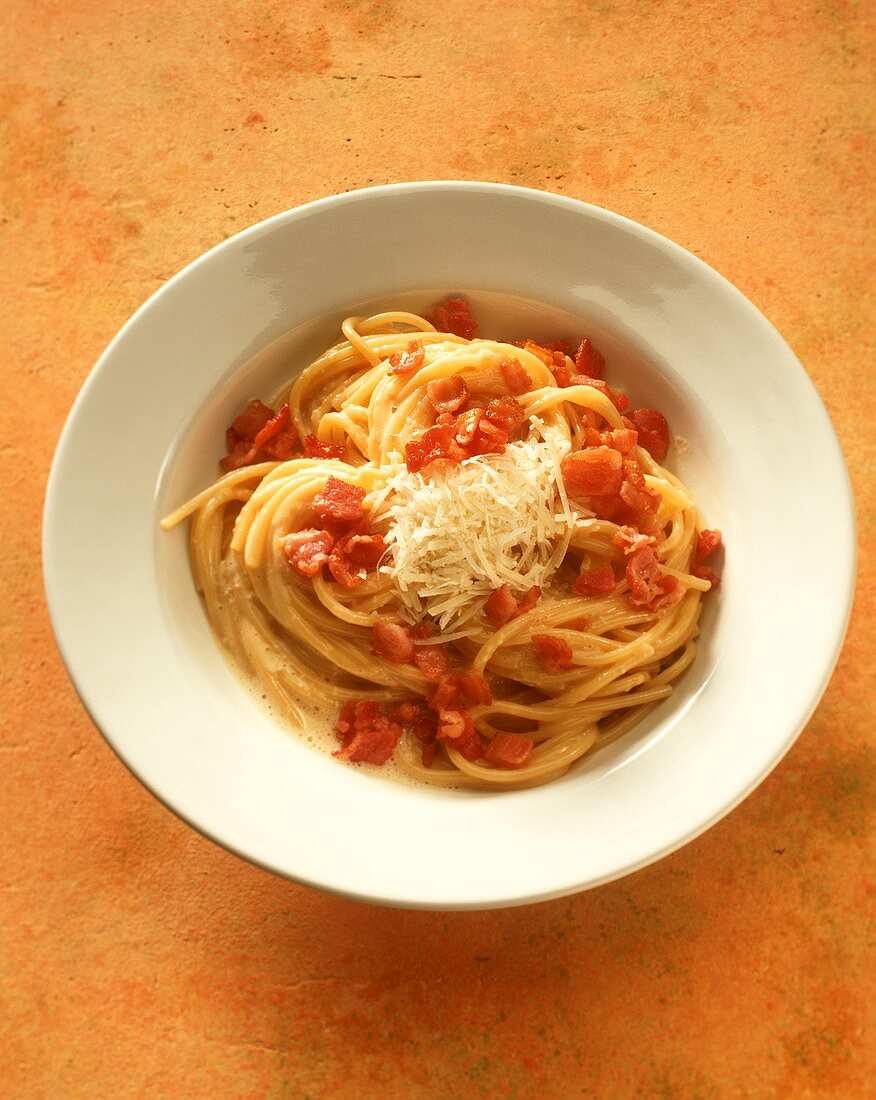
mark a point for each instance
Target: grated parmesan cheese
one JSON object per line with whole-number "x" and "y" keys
{"x": 464, "y": 531}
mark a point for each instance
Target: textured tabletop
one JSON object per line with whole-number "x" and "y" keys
{"x": 137, "y": 959}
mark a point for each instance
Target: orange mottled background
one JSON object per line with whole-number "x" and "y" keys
{"x": 138, "y": 960}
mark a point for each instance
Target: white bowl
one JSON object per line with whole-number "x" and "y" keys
{"x": 762, "y": 461}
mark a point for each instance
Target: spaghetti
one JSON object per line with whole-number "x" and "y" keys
{"x": 462, "y": 545}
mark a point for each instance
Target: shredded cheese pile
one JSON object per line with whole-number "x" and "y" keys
{"x": 458, "y": 534}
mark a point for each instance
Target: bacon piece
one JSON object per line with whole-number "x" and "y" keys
{"x": 447, "y": 694}
{"x": 363, "y": 548}
{"x": 509, "y": 750}
{"x": 392, "y": 641}
{"x": 308, "y": 551}
{"x": 505, "y": 413}
{"x": 516, "y": 377}
{"x": 283, "y": 445}
{"x": 551, "y": 355}
{"x": 467, "y": 426}
{"x": 555, "y": 653}
{"x": 474, "y": 688}
{"x": 407, "y": 713}
{"x": 469, "y": 744}
{"x": 706, "y": 573}
{"x": 562, "y": 346}
{"x": 653, "y": 431}
{"x": 502, "y": 605}
{"x": 530, "y": 599}
{"x": 588, "y": 361}
{"x": 641, "y": 501}
{"x": 353, "y": 555}
{"x": 432, "y": 661}
{"x": 276, "y": 438}
{"x": 409, "y": 360}
{"x": 447, "y": 394}
{"x": 595, "y": 582}
{"x": 339, "y": 501}
{"x": 454, "y": 316}
{"x": 250, "y": 422}
{"x": 452, "y": 724}
{"x": 238, "y": 455}
{"x": 433, "y": 444}
{"x": 489, "y": 439}
{"x": 594, "y": 471}
{"x": 315, "y": 448}
{"x": 367, "y": 737}
{"x": 650, "y": 587}
{"x": 707, "y": 544}
{"x": 622, "y": 439}
{"x": 630, "y": 539}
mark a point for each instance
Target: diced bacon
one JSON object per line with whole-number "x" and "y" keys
{"x": 367, "y": 737}
{"x": 548, "y": 353}
{"x": 595, "y": 582}
{"x": 283, "y": 445}
{"x": 363, "y": 548}
{"x": 505, "y": 413}
{"x": 594, "y": 471}
{"x": 362, "y": 711}
{"x": 474, "y": 688}
{"x": 467, "y": 426}
{"x": 562, "y": 346}
{"x": 501, "y": 606}
{"x": 650, "y": 587}
{"x": 407, "y": 713}
{"x": 555, "y": 653}
{"x": 353, "y": 555}
{"x": 707, "y": 544}
{"x": 469, "y": 744}
{"x": 489, "y": 439}
{"x": 630, "y": 539}
{"x": 451, "y": 724}
{"x": 622, "y": 439}
{"x": 433, "y": 444}
{"x": 454, "y": 316}
{"x": 530, "y": 599}
{"x": 447, "y": 394}
{"x": 339, "y": 501}
{"x": 447, "y": 694}
{"x": 308, "y": 551}
{"x": 516, "y": 377}
{"x": 250, "y": 422}
{"x": 315, "y": 448}
{"x": 509, "y": 750}
{"x": 409, "y": 360}
{"x": 588, "y": 361}
{"x": 432, "y": 661}
{"x": 273, "y": 428}
{"x": 653, "y": 431}
{"x": 428, "y": 752}
{"x": 392, "y": 641}
{"x": 275, "y": 438}
{"x": 239, "y": 454}
{"x": 641, "y": 501}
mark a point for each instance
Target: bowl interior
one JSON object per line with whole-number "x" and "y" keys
{"x": 250, "y": 313}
